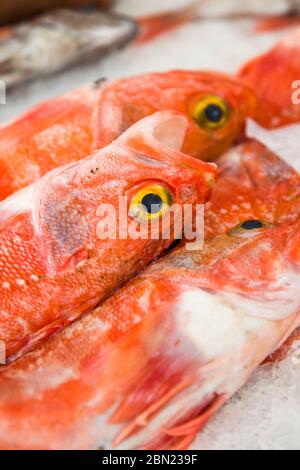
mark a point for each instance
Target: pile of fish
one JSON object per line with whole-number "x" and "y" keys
{"x": 135, "y": 343}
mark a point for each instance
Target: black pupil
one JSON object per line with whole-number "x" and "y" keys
{"x": 252, "y": 225}
{"x": 152, "y": 203}
{"x": 214, "y": 113}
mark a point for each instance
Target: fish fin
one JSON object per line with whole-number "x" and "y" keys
{"x": 153, "y": 26}
{"x": 194, "y": 425}
{"x": 159, "y": 381}
{"x": 181, "y": 435}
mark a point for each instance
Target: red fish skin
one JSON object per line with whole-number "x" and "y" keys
{"x": 271, "y": 75}
{"x": 177, "y": 90}
{"x": 253, "y": 183}
{"x": 131, "y": 376}
{"x": 277, "y": 23}
{"x": 66, "y": 129}
{"x": 53, "y": 266}
{"x": 52, "y": 134}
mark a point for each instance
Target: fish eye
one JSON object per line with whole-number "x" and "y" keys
{"x": 210, "y": 112}
{"x": 149, "y": 202}
{"x": 249, "y": 228}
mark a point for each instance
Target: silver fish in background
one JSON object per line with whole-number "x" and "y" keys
{"x": 56, "y": 40}
{"x": 19, "y": 10}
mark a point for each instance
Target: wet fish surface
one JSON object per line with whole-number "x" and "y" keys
{"x": 68, "y": 128}
{"x": 58, "y": 39}
{"x": 151, "y": 366}
{"x": 18, "y": 10}
{"x": 54, "y": 265}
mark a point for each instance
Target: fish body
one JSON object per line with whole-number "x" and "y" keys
{"x": 149, "y": 367}
{"x": 56, "y": 40}
{"x": 55, "y": 265}
{"x": 66, "y": 129}
{"x": 18, "y": 10}
{"x": 275, "y": 78}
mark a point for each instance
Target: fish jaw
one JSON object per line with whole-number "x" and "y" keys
{"x": 55, "y": 262}
{"x": 272, "y": 75}
{"x": 123, "y": 103}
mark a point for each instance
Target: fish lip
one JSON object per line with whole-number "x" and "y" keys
{"x": 158, "y": 144}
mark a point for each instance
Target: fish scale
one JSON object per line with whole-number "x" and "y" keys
{"x": 56, "y": 266}
{"x": 66, "y": 129}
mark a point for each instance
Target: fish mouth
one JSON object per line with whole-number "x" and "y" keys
{"x": 161, "y": 137}
{"x": 171, "y": 132}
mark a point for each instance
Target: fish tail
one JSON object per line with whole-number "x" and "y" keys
{"x": 153, "y": 26}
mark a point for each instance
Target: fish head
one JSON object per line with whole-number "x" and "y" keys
{"x": 86, "y": 228}
{"x": 106, "y": 200}
{"x": 215, "y": 105}
{"x": 253, "y": 183}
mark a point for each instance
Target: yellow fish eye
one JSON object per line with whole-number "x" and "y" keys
{"x": 249, "y": 228}
{"x": 210, "y": 112}
{"x": 150, "y": 202}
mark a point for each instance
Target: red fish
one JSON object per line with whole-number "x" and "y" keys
{"x": 66, "y": 129}
{"x": 54, "y": 266}
{"x": 274, "y": 76}
{"x": 254, "y": 183}
{"x": 149, "y": 368}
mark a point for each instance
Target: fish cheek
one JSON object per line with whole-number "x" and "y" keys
{"x": 64, "y": 233}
